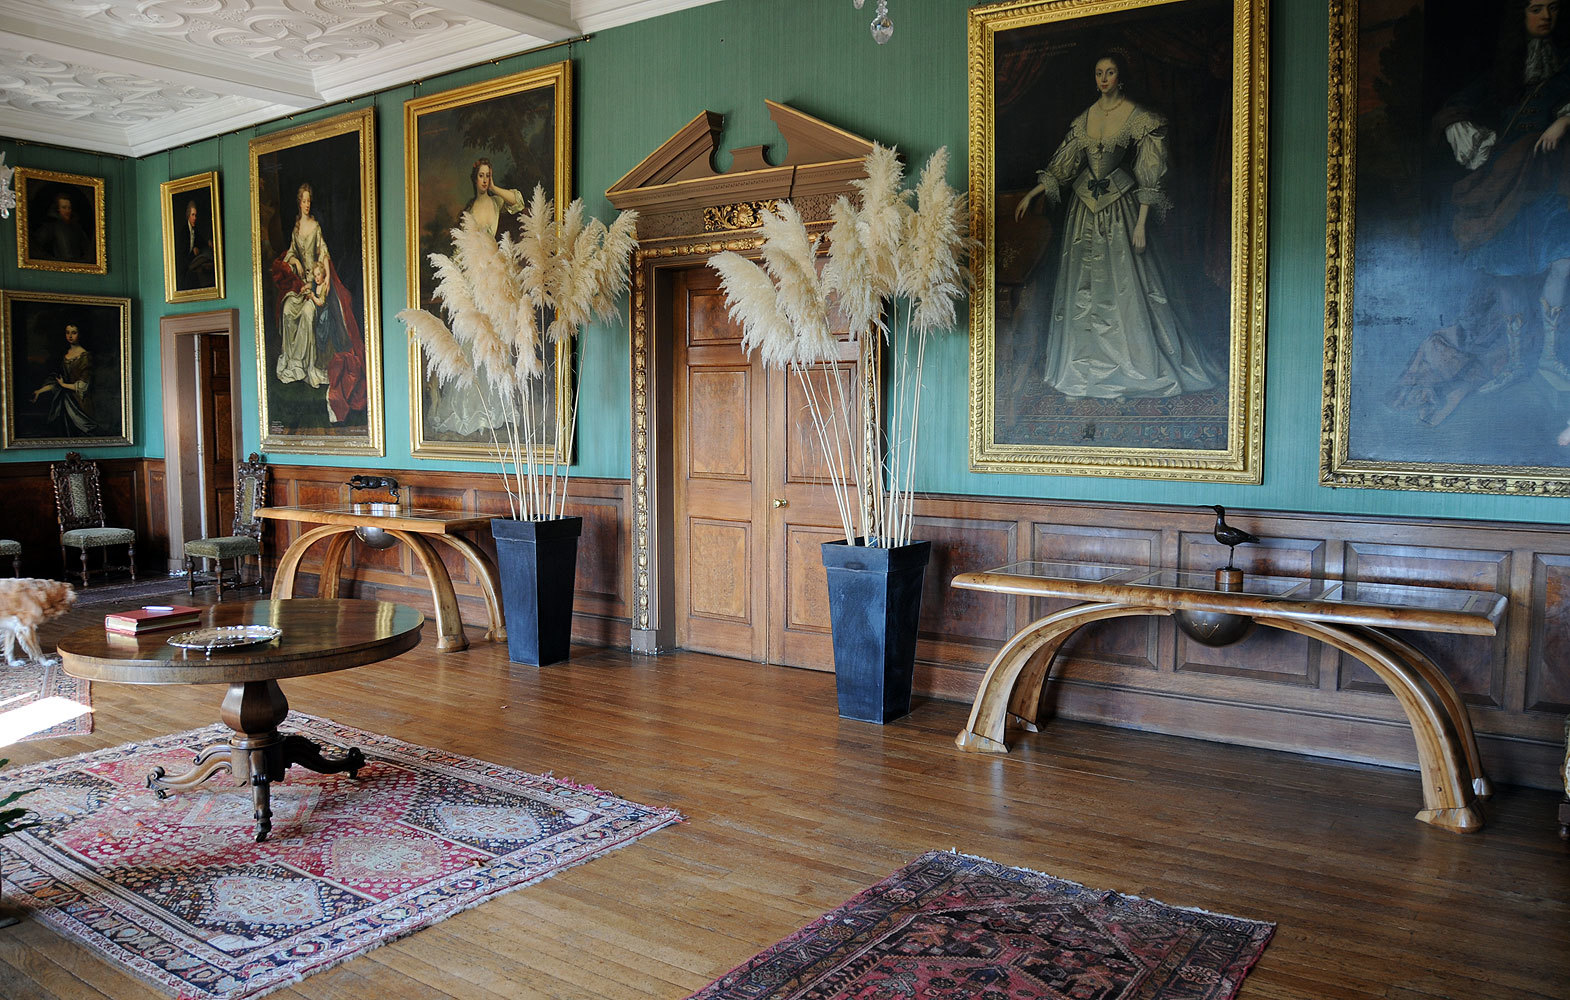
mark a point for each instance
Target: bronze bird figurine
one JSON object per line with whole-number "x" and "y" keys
{"x": 1229, "y": 536}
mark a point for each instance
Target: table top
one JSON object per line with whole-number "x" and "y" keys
{"x": 399, "y": 517}
{"x": 1354, "y": 602}
{"x": 318, "y": 636}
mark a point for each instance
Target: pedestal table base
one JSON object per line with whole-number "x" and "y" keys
{"x": 257, "y": 754}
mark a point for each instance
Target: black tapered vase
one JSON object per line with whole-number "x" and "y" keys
{"x": 537, "y": 562}
{"x": 874, "y": 610}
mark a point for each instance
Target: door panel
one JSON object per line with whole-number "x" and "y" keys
{"x": 724, "y": 557}
{"x": 753, "y": 501}
{"x": 799, "y": 466}
{"x": 719, "y": 398}
{"x": 215, "y": 435}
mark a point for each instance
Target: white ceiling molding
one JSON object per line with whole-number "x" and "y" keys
{"x": 133, "y": 77}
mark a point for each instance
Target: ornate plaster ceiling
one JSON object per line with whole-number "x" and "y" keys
{"x": 139, "y": 76}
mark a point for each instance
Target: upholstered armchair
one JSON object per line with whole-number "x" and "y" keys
{"x": 79, "y": 506}
{"x": 245, "y": 537}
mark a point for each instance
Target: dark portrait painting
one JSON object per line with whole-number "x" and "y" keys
{"x": 1119, "y": 148}
{"x": 66, "y": 370}
{"x": 60, "y": 221}
{"x": 1449, "y": 235}
{"x": 193, "y": 239}
{"x": 480, "y": 149}
{"x": 314, "y": 263}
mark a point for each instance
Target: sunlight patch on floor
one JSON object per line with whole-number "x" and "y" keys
{"x": 20, "y": 723}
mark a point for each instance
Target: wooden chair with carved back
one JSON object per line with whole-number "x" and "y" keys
{"x": 79, "y": 506}
{"x": 245, "y": 537}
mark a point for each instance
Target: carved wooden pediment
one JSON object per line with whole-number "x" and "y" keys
{"x": 679, "y": 176}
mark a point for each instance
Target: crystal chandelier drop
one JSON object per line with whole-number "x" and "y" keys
{"x": 7, "y": 196}
{"x": 882, "y": 25}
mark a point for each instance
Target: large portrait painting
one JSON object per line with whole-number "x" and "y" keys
{"x": 313, "y": 252}
{"x": 1447, "y": 340}
{"x": 1117, "y": 176}
{"x": 60, "y": 222}
{"x": 481, "y": 149}
{"x": 65, "y": 370}
{"x": 193, "y": 239}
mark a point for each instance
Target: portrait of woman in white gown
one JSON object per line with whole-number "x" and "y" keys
{"x": 1113, "y": 327}
{"x": 462, "y": 410}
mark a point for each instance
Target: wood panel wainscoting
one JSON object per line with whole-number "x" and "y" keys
{"x": 601, "y": 605}
{"x": 133, "y": 491}
{"x": 1273, "y": 690}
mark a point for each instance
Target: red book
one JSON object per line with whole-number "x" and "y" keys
{"x": 152, "y": 618}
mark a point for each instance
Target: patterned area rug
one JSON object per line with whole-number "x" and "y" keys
{"x": 176, "y": 891}
{"x": 129, "y": 593}
{"x": 33, "y": 695}
{"x": 952, "y": 927}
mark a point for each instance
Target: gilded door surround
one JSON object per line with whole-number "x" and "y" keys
{"x": 689, "y": 212}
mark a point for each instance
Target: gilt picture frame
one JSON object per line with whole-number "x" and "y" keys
{"x": 65, "y": 371}
{"x": 518, "y": 131}
{"x": 1448, "y": 248}
{"x": 314, "y": 270}
{"x": 193, "y": 238}
{"x": 1118, "y": 191}
{"x": 60, "y": 222}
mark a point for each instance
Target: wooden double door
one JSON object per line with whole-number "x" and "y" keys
{"x": 752, "y": 502}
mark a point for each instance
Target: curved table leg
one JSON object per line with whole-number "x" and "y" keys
{"x": 329, "y": 583}
{"x": 289, "y": 564}
{"x": 996, "y": 700}
{"x": 1460, "y": 718}
{"x": 490, "y": 583}
{"x": 449, "y": 622}
{"x": 1448, "y": 796}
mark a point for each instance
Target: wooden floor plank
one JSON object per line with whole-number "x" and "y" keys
{"x": 790, "y": 811}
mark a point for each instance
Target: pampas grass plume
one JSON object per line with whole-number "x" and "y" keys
{"x": 444, "y": 358}
{"x": 929, "y": 273}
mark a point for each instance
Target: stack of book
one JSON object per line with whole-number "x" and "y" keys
{"x": 152, "y": 618}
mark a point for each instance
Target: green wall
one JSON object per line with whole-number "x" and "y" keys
{"x": 636, "y": 85}
{"x": 122, "y": 246}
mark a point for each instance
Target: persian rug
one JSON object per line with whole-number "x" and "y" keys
{"x": 954, "y": 927}
{"x": 176, "y": 891}
{"x": 40, "y": 700}
{"x": 129, "y": 593}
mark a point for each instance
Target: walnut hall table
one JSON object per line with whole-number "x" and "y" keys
{"x": 1350, "y": 615}
{"x": 318, "y": 636}
{"x": 415, "y": 527}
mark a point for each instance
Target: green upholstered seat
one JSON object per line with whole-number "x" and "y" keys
{"x": 245, "y": 533}
{"x": 97, "y": 538}
{"x": 79, "y": 507}
{"x": 227, "y": 547}
{"x": 10, "y": 548}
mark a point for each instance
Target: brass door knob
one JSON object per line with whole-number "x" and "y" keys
{"x": 781, "y": 502}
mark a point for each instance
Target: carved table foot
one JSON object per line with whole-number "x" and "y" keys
{"x": 257, "y": 754}
{"x": 1564, "y": 820}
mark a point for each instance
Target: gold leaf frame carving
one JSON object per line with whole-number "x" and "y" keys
{"x": 1337, "y": 467}
{"x": 75, "y": 308}
{"x": 281, "y": 207}
{"x": 558, "y": 78}
{"x": 1241, "y": 459}
{"x": 30, "y": 187}
{"x": 167, "y": 192}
